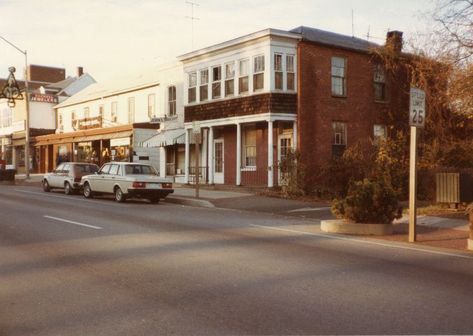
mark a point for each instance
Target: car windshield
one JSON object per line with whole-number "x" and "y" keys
{"x": 86, "y": 168}
{"x": 139, "y": 170}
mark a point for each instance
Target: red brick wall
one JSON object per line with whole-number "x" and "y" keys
{"x": 46, "y": 74}
{"x": 317, "y": 108}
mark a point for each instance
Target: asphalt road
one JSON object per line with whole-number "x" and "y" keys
{"x": 71, "y": 266}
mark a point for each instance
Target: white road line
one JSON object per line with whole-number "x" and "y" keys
{"x": 363, "y": 241}
{"x": 309, "y": 209}
{"x": 72, "y": 222}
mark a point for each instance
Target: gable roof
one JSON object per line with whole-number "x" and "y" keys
{"x": 333, "y": 39}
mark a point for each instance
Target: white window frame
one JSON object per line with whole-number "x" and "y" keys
{"x": 379, "y": 79}
{"x": 245, "y": 147}
{"x": 131, "y": 110}
{"x": 242, "y": 75}
{"x": 229, "y": 78}
{"x": 278, "y": 70}
{"x": 204, "y": 85}
{"x": 191, "y": 86}
{"x": 339, "y": 75}
{"x": 114, "y": 111}
{"x": 172, "y": 100}
{"x": 216, "y": 83}
{"x": 258, "y": 71}
{"x": 290, "y": 71}
{"x": 342, "y": 139}
{"x": 152, "y": 105}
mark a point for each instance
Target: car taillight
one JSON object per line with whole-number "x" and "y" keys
{"x": 77, "y": 179}
{"x": 139, "y": 185}
{"x": 167, "y": 185}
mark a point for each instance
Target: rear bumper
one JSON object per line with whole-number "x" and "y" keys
{"x": 149, "y": 193}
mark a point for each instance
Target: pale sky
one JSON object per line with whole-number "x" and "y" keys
{"x": 107, "y": 37}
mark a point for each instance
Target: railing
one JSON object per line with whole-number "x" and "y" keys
{"x": 202, "y": 175}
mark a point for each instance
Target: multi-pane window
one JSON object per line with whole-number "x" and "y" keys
{"x": 151, "y": 105}
{"x": 86, "y": 112}
{"x": 131, "y": 110}
{"x": 339, "y": 140}
{"x": 204, "y": 84}
{"x": 60, "y": 121}
{"x": 191, "y": 92}
{"x": 73, "y": 119}
{"x": 290, "y": 72}
{"x": 249, "y": 147}
{"x": 339, "y": 76}
{"x": 278, "y": 74}
{"x": 229, "y": 79}
{"x": 216, "y": 82}
{"x": 379, "y": 132}
{"x": 6, "y": 117}
{"x": 258, "y": 73}
{"x": 339, "y": 133}
{"x": 114, "y": 113}
{"x": 379, "y": 83}
{"x": 243, "y": 79}
{"x": 172, "y": 100}
{"x": 101, "y": 112}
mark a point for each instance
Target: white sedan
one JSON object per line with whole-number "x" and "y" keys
{"x": 125, "y": 180}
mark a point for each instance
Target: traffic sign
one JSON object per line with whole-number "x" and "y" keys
{"x": 417, "y": 108}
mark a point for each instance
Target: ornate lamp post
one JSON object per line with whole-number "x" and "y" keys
{"x": 27, "y": 102}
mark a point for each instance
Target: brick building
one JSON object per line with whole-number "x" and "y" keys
{"x": 257, "y": 97}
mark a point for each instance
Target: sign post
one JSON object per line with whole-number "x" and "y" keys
{"x": 197, "y": 140}
{"x": 416, "y": 120}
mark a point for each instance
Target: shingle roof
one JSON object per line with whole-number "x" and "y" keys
{"x": 333, "y": 39}
{"x": 62, "y": 84}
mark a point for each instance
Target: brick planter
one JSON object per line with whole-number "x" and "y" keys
{"x": 344, "y": 227}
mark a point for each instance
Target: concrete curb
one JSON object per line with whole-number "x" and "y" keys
{"x": 189, "y": 201}
{"x": 344, "y": 227}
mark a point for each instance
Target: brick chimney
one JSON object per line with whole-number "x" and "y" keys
{"x": 80, "y": 71}
{"x": 394, "y": 41}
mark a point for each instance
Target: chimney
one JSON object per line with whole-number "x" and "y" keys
{"x": 80, "y": 71}
{"x": 394, "y": 41}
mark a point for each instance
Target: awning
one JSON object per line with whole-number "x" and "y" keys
{"x": 86, "y": 138}
{"x": 166, "y": 138}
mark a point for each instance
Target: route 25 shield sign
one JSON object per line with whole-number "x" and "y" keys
{"x": 417, "y": 108}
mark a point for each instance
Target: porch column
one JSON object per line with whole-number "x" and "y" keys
{"x": 186, "y": 161}
{"x": 162, "y": 161}
{"x": 203, "y": 156}
{"x": 238, "y": 155}
{"x": 294, "y": 136}
{"x": 270, "y": 154}
{"x": 210, "y": 155}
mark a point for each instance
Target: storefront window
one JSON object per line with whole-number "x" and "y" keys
{"x": 120, "y": 149}
{"x": 63, "y": 154}
{"x": 86, "y": 153}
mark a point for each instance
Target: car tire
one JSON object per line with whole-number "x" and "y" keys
{"x": 68, "y": 189}
{"x": 88, "y": 193}
{"x": 119, "y": 195}
{"x": 46, "y": 186}
{"x": 154, "y": 200}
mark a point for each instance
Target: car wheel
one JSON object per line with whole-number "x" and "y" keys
{"x": 119, "y": 195}
{"x": 154, "y": 200}
{"x": 68, "y": 189}
{"x": 46, "y": 186}
{"x": 88, "y": 191}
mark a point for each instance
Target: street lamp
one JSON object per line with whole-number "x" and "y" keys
{"x": 27, "y": 101}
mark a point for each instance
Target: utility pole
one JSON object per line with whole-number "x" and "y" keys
{"x": 192, "y": 18}
{"x": 27, "y": 105}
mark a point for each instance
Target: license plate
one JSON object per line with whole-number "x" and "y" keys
{"x": 154, "y": 185}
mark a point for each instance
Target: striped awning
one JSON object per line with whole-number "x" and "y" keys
{"x": 166, "y": 138}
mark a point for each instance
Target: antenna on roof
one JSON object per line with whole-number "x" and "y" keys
{"x": 192, "y": 18}
{"x": 352, "y": 23}
{"x": 368, "y": 33}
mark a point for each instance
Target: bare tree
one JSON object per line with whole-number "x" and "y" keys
{"x": 456, "y": 27}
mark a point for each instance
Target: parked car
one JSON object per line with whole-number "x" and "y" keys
{"x": 68, "y": 176}
{"x": 126, "y": 180}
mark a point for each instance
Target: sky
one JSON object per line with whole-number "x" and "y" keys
{"x": 110, "y": 38}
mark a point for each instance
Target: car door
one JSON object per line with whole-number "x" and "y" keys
{"x": 97, "y": 181}
{"x": 64, "y": 174}
{"x": 54, "y": 177}
{"x": 111, "y": 178}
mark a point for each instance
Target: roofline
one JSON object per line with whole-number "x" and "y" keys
{"x": 110, "y": 94}
{"x": 238, "y": 40}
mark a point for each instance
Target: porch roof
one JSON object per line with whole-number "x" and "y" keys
{"x": 166, "y": 138}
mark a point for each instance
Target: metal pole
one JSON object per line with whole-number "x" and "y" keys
{"x": 27, "y": 120}
{"x": 413, "y": 186}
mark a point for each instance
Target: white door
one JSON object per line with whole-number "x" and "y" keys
{"x": 218, "y": 162}
{"x": 284, "y": 148}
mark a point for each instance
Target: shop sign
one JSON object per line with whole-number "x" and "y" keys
{"x": 120, "y": 142}
{"x": 43, "y": 98}
{"x": 88, "y": 123}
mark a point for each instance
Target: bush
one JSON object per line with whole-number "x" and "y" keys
{"x": 293, "y": 175}
{"x": 368, "y": 201}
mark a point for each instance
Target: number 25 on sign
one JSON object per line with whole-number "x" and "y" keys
{"x": 417, "y": 108}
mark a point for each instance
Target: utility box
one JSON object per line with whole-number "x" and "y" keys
{"x": 454, "y": 188}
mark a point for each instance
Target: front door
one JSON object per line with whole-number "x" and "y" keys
{"x": 284, "y": 148}
{"x": 218, "y": 162}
